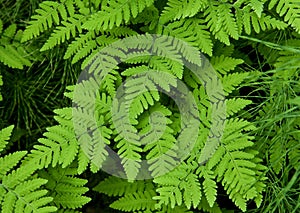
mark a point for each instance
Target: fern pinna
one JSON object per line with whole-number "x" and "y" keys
{"x": 88, "y": 132}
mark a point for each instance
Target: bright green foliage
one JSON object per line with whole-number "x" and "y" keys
{"x": 181, "y": 9}
{"x": 195, "y": 22}
{"x": 12, "y": 53}
{"x": 48, "y": 14}
{"x": 140, "y": 89}
{"x": 19, "y": 192}
{"x": 60, "y": 146}
{"x": 115, "y": 13}
{"x": 66, "y": 189}
{"x": 137, "y": 195}
{"x": 5, "y": 136}
{"x": 289, "y": 9}
{"x": 71, "y": 26}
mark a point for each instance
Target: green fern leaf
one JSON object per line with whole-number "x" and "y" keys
{"x": 66, "y": 189}
{"x": 193, "y": 31}
{"x": 210, "y": 13}
{"x": 181, "y": 9}
{"x": 48, "y": 13}
{"x": 5, "y": 136}
{"x": 234, "y": 105}
{"x": 290, "y": 9}
{"x": 251, "y": 20}
{"x": 162, "y": 152}
{"x": 117, "y": 12}
{"x": 78, "y": 43}
{"x": 224, "y": 64}
{"x": 294, "y": 153}
{"x": 114, "y": 186}
{"x": 192, "y": 191}
{"x": 63, "y": 33}
{"x": 131, "y": 158}
{"x": 235, "y": 163}
{"x": 135, "y": 201}
{"x": 204, "y": 206}
{"x": 230, "y": 81}
{"x": 9, "y": 161}
{"x": 59, "y": 145}
{"x": 257, "y": 6}
{"x": 20, "y": 193}
{"x": 12, "y": 53}
{"x": 11, "y": 57}
{"x": 9, "y": 33}
{"x": 169, "y": 190}
{"x": 110, "y": 81}
{"x": 227, "y": 21}
{"x": 209, "y": 185}
{"x": 83, "y": 162}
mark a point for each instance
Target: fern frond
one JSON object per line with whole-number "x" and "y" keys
{"x": 290, "y": 9}
{"x": 115, "y": 13}
{"x": 5, "y": 136}
{"x": 20, "y": 192}
{"x": 131, "y": 157}
{"x": 294, "y": 152}
{"x": 224, "y": 64}
{"x": 136, "y": 201}
{"x": 70, "y": 27}
{"x": 209, "y": 185}
{"x": 230, "y": 81}
{"x": 193, "y": 31}
{"x": 66, "y": 189}
{"x": 227, "y": 21}
{"x": 257, "y": 6}
{"x": 78, "y": 43}
{"x": 110, "y": 82}
{"x": 171, "y": 184}
{"x": 204, "y": 206}
{"x": 192, "y": 191}
{"x": 92, "y": 135}
{"x": 148, "y": 17}
{"x": 142, "y": 92}
{"x": 59, "y": 146}
{"x": 210, "y": 13}
{"x": 114, "y": 186}
{"x": 234, "y": 105}
{"x": 251, "y": 20}
{"x": 162, "y": 152}
{"x": 49, "y": 12}
{"x": 181, "y": 9}
{"x": 11, "y": 57}
{"x": 234, "y": 163}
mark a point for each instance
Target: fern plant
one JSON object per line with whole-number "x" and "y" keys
{"x": 137, "y": 89}
{"x": 20, "y": 191}
{"x": 198, "y": 26}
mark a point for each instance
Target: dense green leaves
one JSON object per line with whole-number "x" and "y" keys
{"x": 184, "y": 132}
